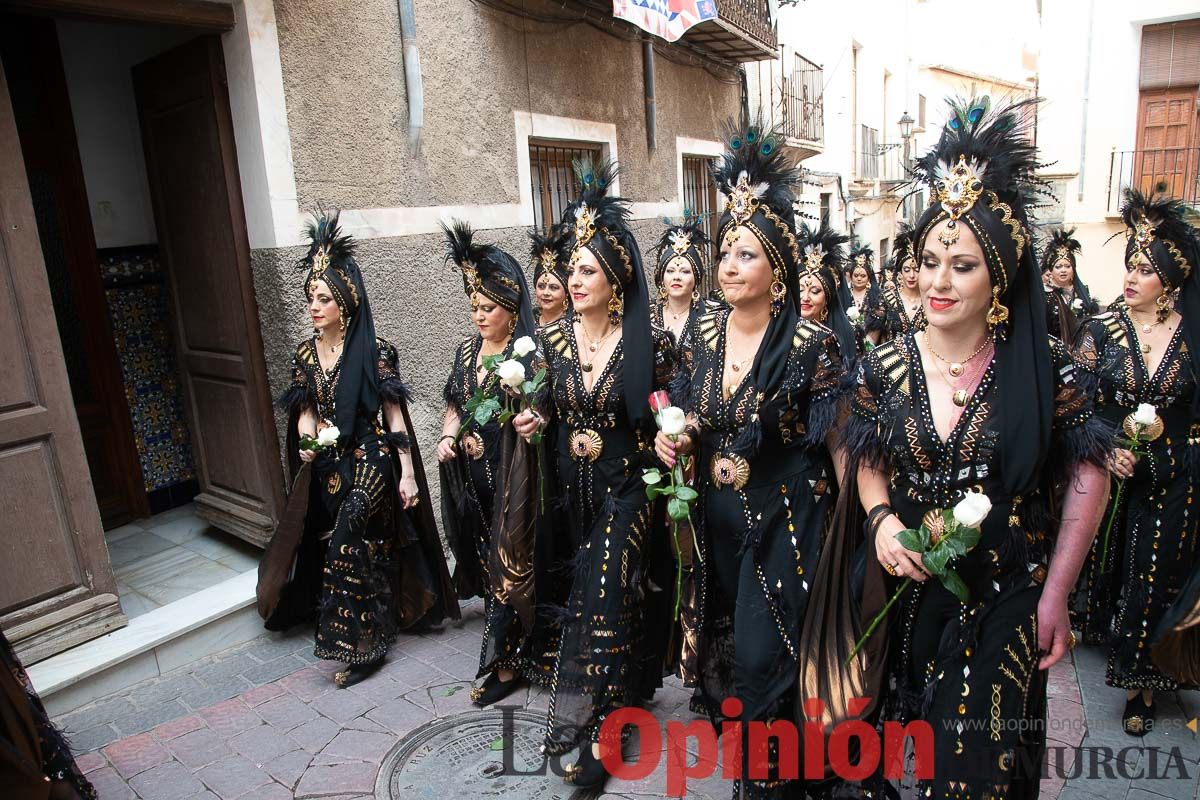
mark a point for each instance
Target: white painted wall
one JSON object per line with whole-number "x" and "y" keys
{"x": 1065, "y": 133}
{"x": 899, "y": 38}
{"x": 97, "y": 59}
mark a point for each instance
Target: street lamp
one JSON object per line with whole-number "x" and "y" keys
{"x": 906, "y": 123}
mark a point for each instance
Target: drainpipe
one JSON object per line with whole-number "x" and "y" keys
{"x": 412, "y": 74}
{"x": 648, "y": 82}
{"x": 1087, "y": 79}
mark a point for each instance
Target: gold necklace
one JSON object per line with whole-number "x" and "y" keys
{"x": 586, "y": 366}
{"x": 956, "y": 367}
{"x": 1147, "y": 327}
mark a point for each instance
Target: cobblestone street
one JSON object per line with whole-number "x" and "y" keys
{"x": 264, "y": 721}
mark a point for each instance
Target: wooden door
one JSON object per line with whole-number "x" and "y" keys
{"x": 1166, "y": 158}
{"x": 187, "y": 133}
{"x": 56, "y": 585}
{"x": 38, "y": 88}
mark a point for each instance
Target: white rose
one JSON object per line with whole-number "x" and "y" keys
{"x": 328, "y": 436}
{"x": 1077, "y": 304}
{"x": 672, "y": 420}
{"x": 511, "y": 373}
{"x": 972, "y": 509}
{"x": 853, "y": 313}
{"x": 1145, "y": 414}
{"x": 523, "y": 346}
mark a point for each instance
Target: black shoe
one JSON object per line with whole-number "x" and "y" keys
{"x": 357, "y": 673}
{"x": 493, "y": 690}
{"x": 1138, "y": 719}
{"x": 588, "y": 773}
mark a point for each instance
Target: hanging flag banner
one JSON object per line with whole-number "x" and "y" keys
{"x": 667, "y": 19}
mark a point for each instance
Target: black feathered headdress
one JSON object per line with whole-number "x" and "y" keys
{"x": 600, "y": 223}
{"x": 902, "y": 247}
{"x": 861, "y": 255}
{"x": 758, "y": 182}
{"x": 491, "y": 272}
{"x": 330, "y": 258}
{"x": 982, "y": 175}
{"x": 547, "y": 251}
{"x": 1061, "y": 244}
{"x": 1158, "y": 229}
{"x": 824, "y": 259}
{"x": 687, "y": 241}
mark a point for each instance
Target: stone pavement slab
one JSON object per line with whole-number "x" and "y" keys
{"x": 291, "y": 733}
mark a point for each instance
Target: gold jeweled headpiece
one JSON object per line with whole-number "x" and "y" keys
{"x": 548, "y": 259}
{"x": 1143, "y": 232}
{"x": 319, "y": 265}
{"x": 860, "y": 260}
{"x": 1062, "y": 251}
{"x": 680, "y": 242}
{"x": 741, "y": 203}
{"x": 957, "y": 188}
{"x": 814, "y": 258}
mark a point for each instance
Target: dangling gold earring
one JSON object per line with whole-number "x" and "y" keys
{"x": 342, "y": 324}
{"x": 662, "y": 293}
{"x": 824, "y": 314}
{"x": 1162, "y": 306}
{"x": 566, "y": 304}
{"x": 695, "y": 295}
{"x": 318, "y": 333}
{"x": 512, "y": 325}
{"x": 616, "y": 308}
{"x": 997, "y": 316}
{"x": 778, "y": 293}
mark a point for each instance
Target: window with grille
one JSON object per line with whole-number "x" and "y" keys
{"x": 825, "y": 201}
{"x": 700, "y": 200}
{"x": 868, "y": 163}
{"x": 552, "y": 180}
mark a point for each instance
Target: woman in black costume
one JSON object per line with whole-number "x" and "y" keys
{"x": 470, "y": 456}
{"x": 549, "y": 274}
{"x": 602, "y": 364}
{"x": 1147, "y": 352}
{"x": 863, "y": 299}
{"x": 683, "y": 256}
{"x": 982, "y": 399}
{"x": 1068, "y": 301}
{"x": 358, "y": 531}
{"x": 764, "y": 387}
{"x": 902, "y": 298}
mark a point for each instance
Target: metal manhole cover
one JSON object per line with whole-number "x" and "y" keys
{"x": 463, "y": 757}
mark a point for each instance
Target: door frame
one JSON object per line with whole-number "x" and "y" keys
{"x": 201, "y": 15}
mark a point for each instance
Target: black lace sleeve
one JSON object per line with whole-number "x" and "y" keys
{"x": 454, "y": 392}
{"x": 862, "y": 435}
{"x": 392, "y": 389}
{"x": 666, "y": 360}
{"x": 300, "y": 396}
{"x": 1079, "y": 434}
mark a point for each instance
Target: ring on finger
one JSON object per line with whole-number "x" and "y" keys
{"x": 891, "y": 568}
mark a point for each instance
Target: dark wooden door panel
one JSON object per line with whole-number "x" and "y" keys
{"x": 188, "y": 137}
{"x": 50, "y": 152}
{"x": 56, "y": 585}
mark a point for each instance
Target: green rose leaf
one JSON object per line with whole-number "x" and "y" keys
{"x": 677, "y": 509}
{"x": 652, "y": 476}
{"x": 935, "y": 561}
{"x": 951, "y": 581}
{"x": 686, "y": 493}
{"x": 911, "y": 540}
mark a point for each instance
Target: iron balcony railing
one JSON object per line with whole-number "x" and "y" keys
{"x": 752, "y": 17}
{"x": 1170, "y": 171}
{"x": 804, "y": 102}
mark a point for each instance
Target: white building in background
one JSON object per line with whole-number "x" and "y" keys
{"x": 851, "y": 69}
{"x": 1120, "y": 82}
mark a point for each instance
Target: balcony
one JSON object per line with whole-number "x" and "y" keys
{"x": 804, "y": 109}
{"x": 742, "y": 31}
{"x": 1170, "y": 171}
{"x": 881, "y": 167}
